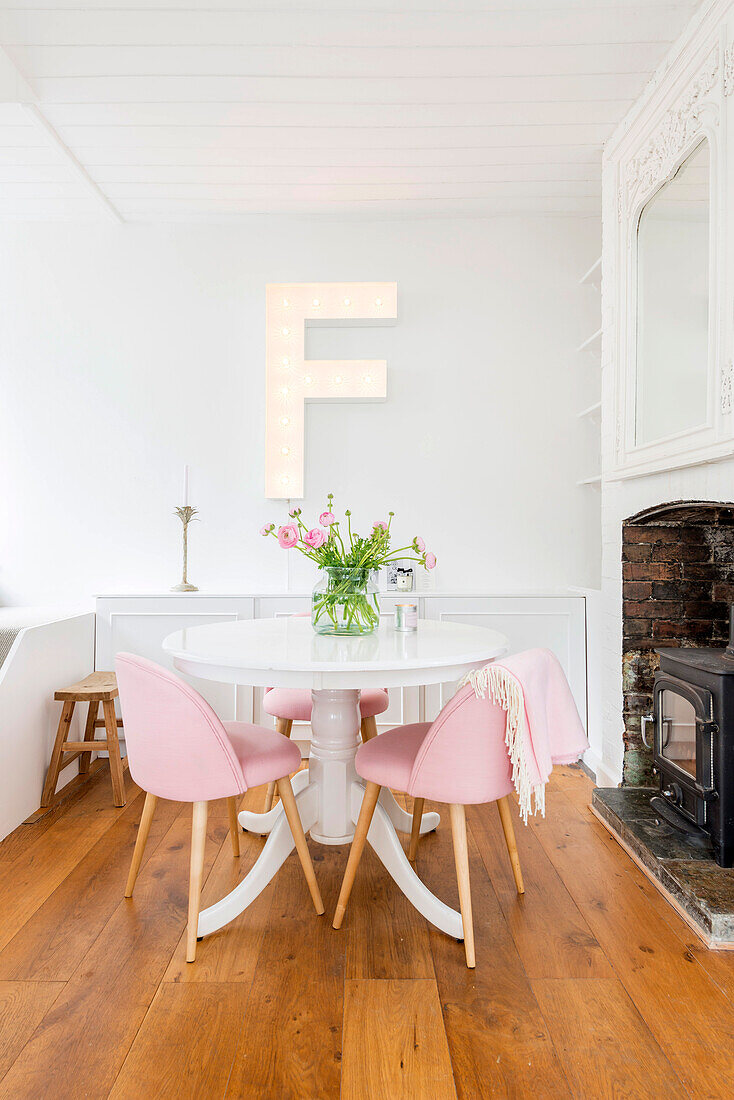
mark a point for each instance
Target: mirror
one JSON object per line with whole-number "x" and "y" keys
{"x": 673, "y": 304}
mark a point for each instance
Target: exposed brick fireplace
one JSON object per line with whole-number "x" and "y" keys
{"x": 677, "y": 583}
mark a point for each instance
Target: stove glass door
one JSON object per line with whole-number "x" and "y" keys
{"x": 677, "y": 717}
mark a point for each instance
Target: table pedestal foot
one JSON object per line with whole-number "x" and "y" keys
{"x": 402, "y": 820}
{"x": 386, "y": 845}
{"x": 261, "y": 824}
{"x": 277, "y": 848}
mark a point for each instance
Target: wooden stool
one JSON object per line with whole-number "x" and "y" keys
{"x": 98, "y": 687}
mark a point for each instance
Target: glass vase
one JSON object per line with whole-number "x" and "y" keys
{"x": 345, "y": 601}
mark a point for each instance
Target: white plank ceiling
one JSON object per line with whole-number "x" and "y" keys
{"x": 226, "y": 108}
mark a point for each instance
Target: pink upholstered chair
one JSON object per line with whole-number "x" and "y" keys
{"x": 289, "y": 705}
{"x": 461, "y": 759}
{"x": 178, "y": 749}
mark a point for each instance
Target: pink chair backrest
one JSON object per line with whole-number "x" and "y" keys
{"x": 176, "y": 745}
{"x": 464, "y": 757}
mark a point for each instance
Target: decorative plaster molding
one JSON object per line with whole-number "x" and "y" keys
{"x": 729, "y": 71}
{"x": 655, "y": 162}
{"x": 727, "y": 387}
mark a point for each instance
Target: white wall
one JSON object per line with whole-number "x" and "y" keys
{"x": 127, "y": 351}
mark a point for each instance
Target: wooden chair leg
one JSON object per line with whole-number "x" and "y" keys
{"x": 234, "y": 826}
{"x": 503, "y": 805}
{"x": 415, "y": 830}
{"x": 355, "y": 852}
{"x": 196, "y": 875}
{"x": 54, "y": 767}
{"x": 113, "y": 748}
{"x": 284, "y": 726}
{"x": 143, "y": 830}
{"x": 294, "y": 820}
{"x": 461, "y": 857}
{"x": 369, "y": 728}
{"x": 86, "y": 757}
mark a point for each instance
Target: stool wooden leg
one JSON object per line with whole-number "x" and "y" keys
{"x": 294, "y": 820}
{"x": 369, "y": 728}
{"x": 461, "y": 857}
{"x": 415, "y": 831}
{"x": 503, "y": 805}
{"x": 196, "y": 875}
{"x": 142, "y": 837}
{"x": 234, "y": 826}
{"x": 364, "y": 821}
{"x": 86, "y": 757}
{"x": 284, "y": 726}
{"x": 113, "y": 748}
{"x": 54, "y": 767}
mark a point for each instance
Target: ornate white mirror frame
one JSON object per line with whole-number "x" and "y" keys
{"x": 661, "y": 141}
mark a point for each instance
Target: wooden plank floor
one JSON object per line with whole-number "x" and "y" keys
{"x": 589, "y": 986}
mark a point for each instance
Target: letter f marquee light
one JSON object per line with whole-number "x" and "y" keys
{"x": 292, "y": 380}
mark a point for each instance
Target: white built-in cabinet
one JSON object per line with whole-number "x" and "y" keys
{"x": 557, "y": 623}
{"x": 139, "y": 623}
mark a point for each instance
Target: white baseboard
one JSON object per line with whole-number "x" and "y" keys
{"x": 604, "y": 776}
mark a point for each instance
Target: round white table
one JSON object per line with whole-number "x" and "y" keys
{"x": 285, "y": 652}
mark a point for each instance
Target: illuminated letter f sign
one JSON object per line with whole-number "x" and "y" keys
{"x": 291, "y": 379}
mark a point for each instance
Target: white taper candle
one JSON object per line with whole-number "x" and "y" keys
{"x": 186, "y": 487}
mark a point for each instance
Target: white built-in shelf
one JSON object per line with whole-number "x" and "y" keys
{"x": 590, "y": 340}
{"x": 592, "y": 278}
{"x": 595, "y": 480}
{"x": 593, "y": 274}
{"x": 592, "y": 410}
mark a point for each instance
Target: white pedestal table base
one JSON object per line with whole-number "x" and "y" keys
{"x": 329, "y": 797}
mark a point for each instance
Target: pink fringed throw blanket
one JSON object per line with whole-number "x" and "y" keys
{"x": 543, "y": 725}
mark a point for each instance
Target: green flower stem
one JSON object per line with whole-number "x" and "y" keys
{"x": 306, "y": 553}
{"x": 400, "y": 550}
{"x": 346, "y": 602}
{"x": 338, "y": 535}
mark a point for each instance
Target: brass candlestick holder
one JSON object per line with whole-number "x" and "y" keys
{"x": 185, "y": 514}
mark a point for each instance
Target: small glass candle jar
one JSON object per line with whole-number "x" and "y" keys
{"x": 406, "y": 616}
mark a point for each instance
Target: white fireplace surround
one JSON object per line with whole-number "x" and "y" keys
{"x": 692, "y": 94}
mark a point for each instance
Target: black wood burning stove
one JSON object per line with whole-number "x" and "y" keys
{"x": 693, "y": 741}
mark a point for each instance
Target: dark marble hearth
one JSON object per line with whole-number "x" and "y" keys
{"x": 683, "y": 865}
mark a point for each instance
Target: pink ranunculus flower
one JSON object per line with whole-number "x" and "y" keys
{"x": 430, "y": 560}
{"x": 419, "y": 544}
{"x": 326, "y": 519}
{"x": 379, "y": 523}
{"x": 287, "y": 535}
{"x": 267, "y": 528}
{"x": 315, "y": 538}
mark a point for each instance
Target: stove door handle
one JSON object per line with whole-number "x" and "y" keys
{"x": 643, "y": 728}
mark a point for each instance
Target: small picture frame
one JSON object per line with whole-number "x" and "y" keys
{"x": 399, "y": 576}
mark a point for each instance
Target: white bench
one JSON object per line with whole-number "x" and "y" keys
{"x": 42, "y": 649}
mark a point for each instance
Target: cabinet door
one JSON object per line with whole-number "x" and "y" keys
{"x": 140, "y": 624}
{"x": 557, "y": 623}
